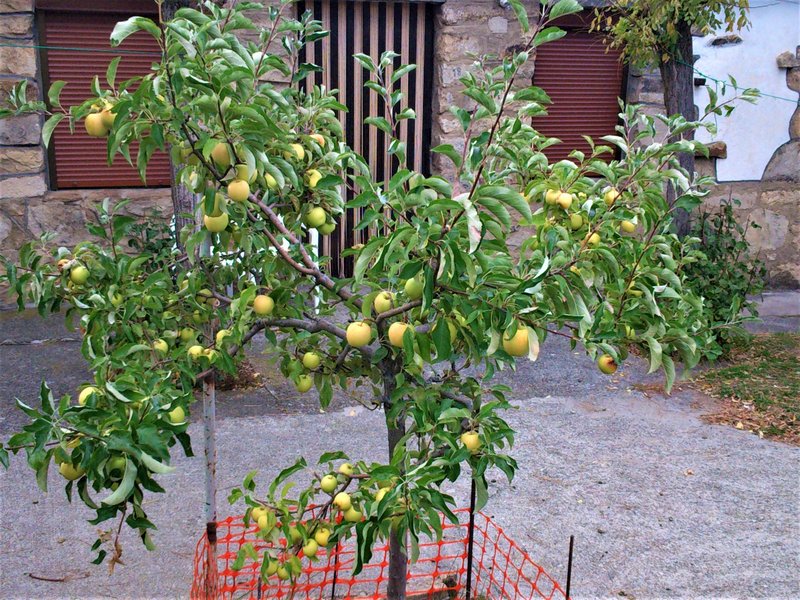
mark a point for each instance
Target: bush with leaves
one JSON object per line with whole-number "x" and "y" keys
{"x": 437, "y": 304}
{"x": 726, "y": 274}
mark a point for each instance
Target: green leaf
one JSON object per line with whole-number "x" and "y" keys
{"x": 522, "y": 14}
{"x": 123, "y": 29}
{"x": 111, "y": 71}
{"x": 54, "y": 93}
{"x": 548, "y": 34}
{"x": 655, "y": 353}
{"x": 405, "y": 69}
{"x": 450, "y": 152}
{"x": 565, "y": 7}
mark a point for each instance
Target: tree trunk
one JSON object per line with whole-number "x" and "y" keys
{"x": 184, "y": 201}
{"x": 678, "y": 77}
{"x": 396, "y": 428}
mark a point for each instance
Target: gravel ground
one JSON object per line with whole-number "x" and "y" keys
{"x": 661, "y": 504}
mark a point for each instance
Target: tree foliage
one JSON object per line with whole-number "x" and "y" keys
{"x": 599, "y": 266}
{"x": 647, "y": 31}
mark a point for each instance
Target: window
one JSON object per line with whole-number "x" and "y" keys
{"x": 583, "y": 79}
{"x": 67, "y": 28}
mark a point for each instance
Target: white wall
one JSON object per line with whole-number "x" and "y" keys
{"x": 753, "y": 132}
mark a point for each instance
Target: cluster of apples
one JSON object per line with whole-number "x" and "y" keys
{"x": 100, "y": 122}
{"x": 359, "y": 333}
{"x": 577, "y": 220}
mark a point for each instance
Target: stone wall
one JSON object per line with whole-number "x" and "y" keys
{"x": 771, "y": 202}
{"x": 27, "y": 207}
{"x": 464, "y": 28}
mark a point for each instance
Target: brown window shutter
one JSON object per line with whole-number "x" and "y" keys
{"x": 78, "y": 160}
{"x": 584, "y": 81}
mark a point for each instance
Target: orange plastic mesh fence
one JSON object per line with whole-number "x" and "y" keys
{"x": 501, "y": 569}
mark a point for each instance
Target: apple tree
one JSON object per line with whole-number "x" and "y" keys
{"x": 438, "y": 302}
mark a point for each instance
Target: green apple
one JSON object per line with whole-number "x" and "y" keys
{"x": 79, "y": 275}
{"x": 414, "y": 288}
{"x": 177, "y": 415}
{"x": 304, "y": 383}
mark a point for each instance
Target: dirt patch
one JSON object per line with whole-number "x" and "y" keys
{"x": 758, "y": 387}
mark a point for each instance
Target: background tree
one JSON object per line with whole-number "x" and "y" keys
{"x": 437, "y": 304}
{"x": 653, "y": 33}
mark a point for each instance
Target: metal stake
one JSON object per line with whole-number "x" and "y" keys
{"x": 471, "y": 535}
{"x": 569, "y": 564}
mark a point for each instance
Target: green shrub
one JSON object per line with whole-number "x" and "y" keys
{"x": 727, "y": 275}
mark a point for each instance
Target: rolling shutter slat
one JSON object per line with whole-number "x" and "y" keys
{"x": 584, "y": 81}
{"x": 80, "y": 161}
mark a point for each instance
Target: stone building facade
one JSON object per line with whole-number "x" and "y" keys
{"x": 28, "y": 207}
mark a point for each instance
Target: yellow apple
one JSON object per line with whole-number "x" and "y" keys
{"x": 346, "y": 469}
{"x": 86, "y": 392}
{"x": 321, "y": 536}
{"x": 352, "y": 515}
{"x": 328, "y": 483}
{"x": 238, "y": 190}
{"x": 94, "y": 125}
{"x": 216, "y": 224}
{"x": 263, "y": 305}
{"x": 575, "y": 221}
{"x": 383, "y": 302}
{"x": 517, "y": 345}
{"x": 311, "y": 360}
{"x": 195, "y": 352}
{"x": 396, "y": 333}
{"x": 471, "y": 441}
{"x": 564, "y": 200}
{"x": 272, "y": 183}
{"x": 342, "y": 501}
{"x": 187, "y": 335}
{"x": 221, "y": 335}
{"x": 297, "y": 152}
{"x": 318, "y": 138}
{"x": 606, "y": 364}
{"x": 359, "y": 334}
{"x": 610, "y": 196}
{"x": 161, "y": 347}
{"x": 628, "y": 226}
{"x": 310, "y": 548}
{"x": 381, "y": 494}
{"x": 257, "y": 513}
{"x": 313, "y": 177}
{"x": 593, "y": 240}
{"x": 551, "y": 196}
{"x": 221, "y": 155}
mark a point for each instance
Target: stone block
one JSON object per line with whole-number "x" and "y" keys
{"x": 20, "y": 131}
{"x": 784, "y": 164}
{"x": 794, "y": 125}
{"x": 11, "y": 6}
{"x": 18, "y": 61}
{"x": 16, "y": 26}
{"x": 771, "y": 231}
{"x": 498, "y": 25}
{"x": 27, "y": 186}
{"x": 788, "y": 60}
{"x": 66, "y": 222}
{"x": 21, "y": 160}
{"x": 793, "y": 79}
